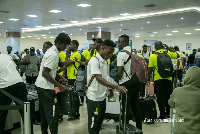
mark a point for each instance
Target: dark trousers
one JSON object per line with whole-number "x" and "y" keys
{"x": 96, "y": 112}
{"x": 132, "y": 103}
{"x": 31, "y": 80}
{"x": 142, "y": 89}
{"x": 48, "y": 110}
{"x": 19, "y": 91}
{"x": 163, "y": 90}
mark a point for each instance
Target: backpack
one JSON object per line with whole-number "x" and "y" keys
{"x": 92, "y": 52}
{"x": 138, "y": 67}
{"x": 165, "y": 66}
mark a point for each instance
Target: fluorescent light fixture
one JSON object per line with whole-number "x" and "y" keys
{"x": 32, "y": 15}
{"x": 137, "y": 36}
{"x": 97, "y": 18}
{"x": 142, "y": 28}
{"x": 120, "y": 29}
{"x": 43, "y": 35}
{"x": 1, "y": 22}
{"x": 70, "y": 34}
{"x": 0, "y": 34}
{"x": 14, "y": 19}
{"x": 181, "y": 18}
{"x": 22, "y": 37}
{"x": 38, "y": 38}
{"x": 99, "y": 27}
{"x": 51, "y": 37}
{"x": 79, "y": 29}
{"x": 155, "y": 32}
{"x": 29, "y": 36}
{"x": 74, "y": 21}
{"x": 152, "y": 35}
{"x": 39, "y": 26}
{"x": 148, "y": 21}
{"x": 168, "y": 34}
{"x": 187, "y": 33}
{"x": 54, "y": 11}
{"x": 197, "y": 29}
{"x": 63, "y": 31}
{"x": 25, "y": 28}
{"x": 121, "y": 24}
{"x": 83, "y": 5}
{"x": 167, "y": 25}
{"x": 119, "y": 35}
{"x": 175, "y": 31}
{"x": 49, "y": 32}
{"x": 125, "y": 14}
{"x": 85, "y": 33}
{"x": 55, "y": 24}
{"x": 198, "y": 23}
{"x": 120, "y": 18}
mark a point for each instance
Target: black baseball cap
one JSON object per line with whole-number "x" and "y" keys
{"x": 32, "y": 49}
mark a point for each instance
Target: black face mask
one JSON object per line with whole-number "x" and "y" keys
{"x": 194, "y": 52}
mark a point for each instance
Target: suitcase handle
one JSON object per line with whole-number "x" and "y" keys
{"x": 124, "y": 111}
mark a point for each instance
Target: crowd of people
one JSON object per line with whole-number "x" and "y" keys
{"x": 54, "y": 68}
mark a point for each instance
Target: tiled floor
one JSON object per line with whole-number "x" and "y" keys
{"x": 80, "y": 126}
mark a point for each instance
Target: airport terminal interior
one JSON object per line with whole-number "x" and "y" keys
{"x": 27, "y": 27}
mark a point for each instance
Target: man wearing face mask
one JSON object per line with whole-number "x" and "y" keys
{"x": 32, "y": 68}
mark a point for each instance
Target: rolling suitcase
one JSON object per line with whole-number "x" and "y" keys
{"x": 123, "y": 128}
{"x": 148, "y": 109}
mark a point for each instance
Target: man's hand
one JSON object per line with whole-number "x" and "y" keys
{"x": 62, "y": 88}
{"x": 148, "y": 83}
{"x": 67, "y": 51}
{"x": 64, "y": 81}
{"x": 76, "y": 59}
{"x": 121, "y": 89}
{"x": 28, "y": 62}
{"x": 165, "y": 45}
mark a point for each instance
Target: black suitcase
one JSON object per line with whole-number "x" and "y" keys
{"x": 68, "y": 102}
{"x": 148, "y": 109}
{"x": 126, "y": 128}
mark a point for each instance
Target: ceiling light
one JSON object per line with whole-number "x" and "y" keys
{"x": 14, "y": 19}
{"x": 148, "y": 21}
{"x": 32, "y": 15}
{"x": 181, "y": 18}
{"x": 24, "y": 28}
{"x": 43, "y": 35}
{"x": 49, "y": 32}
{"x": 55, "y": 24}
{"x": 121, "y": 24}
{"x": 198, "y": 23}
{"x": 39, "y": 26}
{"x": 74, "y": 21}
{"x": 142, "y": 28}
{"x": 55, "y": 11}
{"x": 1, "y": 22}
{"x": 97, "y": 18}
{"x": 187, "y": 33}
{"x": 175, "y": 31}
{"x": 167, "y": 25}
{"x": 79, "y": 29}
{"x": 99, "y": 27}
{"x": 85, "y": 33}
{"x": 152, "y": 35}
{"x": 22, "y": 37}
{"x": 51, "y": 37}
{"x": 155, "y": 32}
{"x": 168, "y": 34}
{"x": 29, "y": 36}
{"x": 70, "y": 34}
{"x": 197, "y": 29}
{"x": 38, "y": 38}
{"x": 137, "y": 36}
{"x": 0, "y": 34}
{"x": 125, "y": 14}
{"x": 63, "y": 31}
{"x": 83, "y": 5}
{"x": 120, "y": 29}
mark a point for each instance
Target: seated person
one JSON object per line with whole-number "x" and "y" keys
{"x": 185, "y": 100}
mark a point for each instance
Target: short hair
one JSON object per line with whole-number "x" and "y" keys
{"x": 75, "y": 42}
{"x": 9, "y": 47}
{"x": 158, "y": 45}
{"x": 26, "y": 49}
{"x": 108, "y": 43}
{"x": 49, "y": 44}
{"x": 176, "y": 48}
{"x": 144, "y": 46}
{"x": 126, "y": 37}
{"x": 99, "y": 40}
{"x": 62, "y": 38}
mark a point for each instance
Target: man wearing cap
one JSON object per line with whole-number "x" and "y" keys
{"x": 32, "y": 68}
